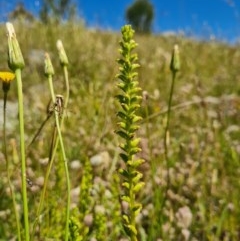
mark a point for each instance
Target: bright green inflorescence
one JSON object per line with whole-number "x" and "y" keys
{"x": 129, "y": 100}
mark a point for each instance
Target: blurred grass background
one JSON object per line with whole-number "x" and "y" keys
{"x": 204, "y": 130}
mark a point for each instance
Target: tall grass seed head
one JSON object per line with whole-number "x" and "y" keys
{"x": 15, "y": 57}
{"x": 175, "y": 61}
{"x": 62, "y": 54}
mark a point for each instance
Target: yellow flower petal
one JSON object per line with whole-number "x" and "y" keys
{"x": 7, "y": 76}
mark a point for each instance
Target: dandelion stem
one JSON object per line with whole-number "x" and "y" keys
{"x": 166, "y": 133}
{"x": 48, "y": 171}
{"x": 67, "y": 87}
{"x": 7, "y": 167}
{"x": 22, "y": 150}
{"x": 4, "y": 128}
{"x": 60, "y": 139}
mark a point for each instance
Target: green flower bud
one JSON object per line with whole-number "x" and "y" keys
{"x": 62, "y": 54}
{"x": 175, "y": 61}
{"x": 15, "y": 58}
{"x": 48, "y": 70}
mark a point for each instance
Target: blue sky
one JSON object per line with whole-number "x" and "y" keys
{"x": 202, "y": 18}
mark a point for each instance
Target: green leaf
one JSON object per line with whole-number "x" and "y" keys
{"x": 120, "y": 98}
{"x": 121, "y": 61}
{"x": 122, "y": 115}
{"x": 123, "y": 134}
{"x": 124, "y": 173}
{"x": 124, "y": 157}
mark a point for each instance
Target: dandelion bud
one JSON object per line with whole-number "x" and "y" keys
{"x": 15, "y": 58}
{"x": 48, "y": 70}
{"x": 62, "y": 54}
{"x": 175, "y": 61}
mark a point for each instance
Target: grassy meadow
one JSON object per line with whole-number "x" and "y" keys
{"x": 194, "y": 196}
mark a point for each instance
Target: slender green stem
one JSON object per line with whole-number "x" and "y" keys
{"x": 169, "y": 113}
{"x": 22, "y": 150}
{"x": 4, "y": 128}
{"x": 63, "y": 151}
{"x": 166, "y": 134}
{"x": 39, "y": 130}
{"x": 66, "y": 173}
{"x": 63, "y": 155}
{"x": 46, "y": 177}
{"x": 67, "y": 87}
{"x": 7, "y": 168}
{"x": 55, "y": 142}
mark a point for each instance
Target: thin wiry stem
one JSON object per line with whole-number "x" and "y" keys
{"x": 52, "y": 152}
{"x": 8, "y": 169}
{"x": 166, "y": 133}
{"x": 39, "y": 130}
{"x": 63, "y": 155}
{"x": 167, "y": 139}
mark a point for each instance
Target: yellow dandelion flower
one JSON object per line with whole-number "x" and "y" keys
{"x": 6, "y": 77}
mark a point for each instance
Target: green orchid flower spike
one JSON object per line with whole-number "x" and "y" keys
{"x": 129, "y": 100}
